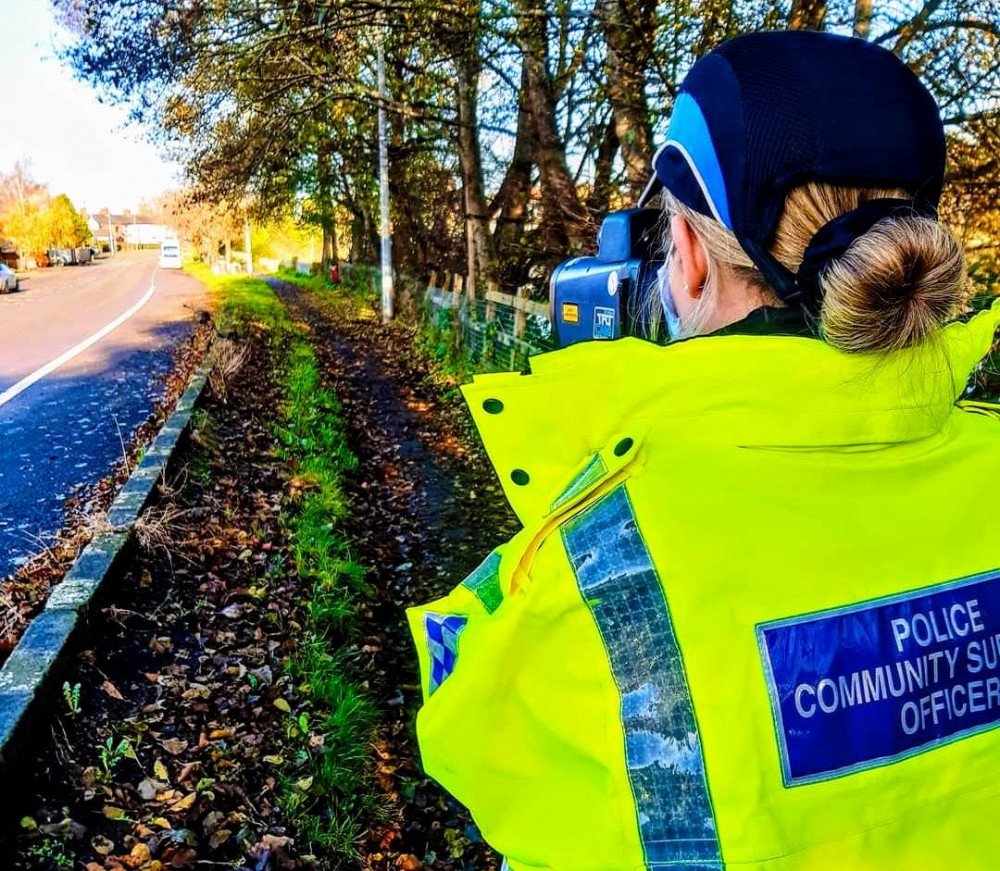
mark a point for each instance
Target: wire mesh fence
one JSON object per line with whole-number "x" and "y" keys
{"x": 498, "y": 333}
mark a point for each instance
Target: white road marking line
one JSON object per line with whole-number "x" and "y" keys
{"x": 76, "y": 350}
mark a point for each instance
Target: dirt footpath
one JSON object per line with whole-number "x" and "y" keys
{"x": 426, "y": 509}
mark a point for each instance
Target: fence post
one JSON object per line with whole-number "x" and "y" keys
{"x": 456, "y": 289}
{"x": 520, "y": 312}
{"x": 491, "y": 288}
{"x": 432, "y": 279}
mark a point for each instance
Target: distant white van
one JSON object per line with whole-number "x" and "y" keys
{"x": 170, "y": 254}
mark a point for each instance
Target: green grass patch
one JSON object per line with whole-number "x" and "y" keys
{"x": 243, "y": 303}
{"x": 306, "y": 280}
{"x": 326, "y": 789}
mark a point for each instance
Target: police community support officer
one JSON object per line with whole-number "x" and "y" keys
{"x": 752, "y": 619}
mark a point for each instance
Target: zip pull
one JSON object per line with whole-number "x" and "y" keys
{"x": 594, "y": 477}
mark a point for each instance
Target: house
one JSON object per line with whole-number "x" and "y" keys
{"x": 127, "y": 229}
{"x": 98, "y": 224}
{"x": 142, "y": 231}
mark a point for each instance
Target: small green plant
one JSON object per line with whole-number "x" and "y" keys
{"x": 111, "y": 754}
{"x": 71, "y": 695}
{"x": 52, "y": 853}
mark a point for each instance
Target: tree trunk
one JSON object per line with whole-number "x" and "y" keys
{"x": 629, "y": 30}
{"x": 808, "y": 15}
{"x": 324, "y": 203}
{"x": 600, "y": 196}
{"x": 565, "y": 220}
{"x": 862, "y": 18}
{"x": 329, "y": 247}
{"x": 247, "y": 244}
{"x": 477, "y": 228}
{"x": 510, "y": 205}
{"x": 359, "y": 238}
{"x": 371, "y": 235}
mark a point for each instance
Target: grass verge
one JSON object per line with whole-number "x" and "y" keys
{"x": 325, "y": 790}
{"x": 307, "y": 280}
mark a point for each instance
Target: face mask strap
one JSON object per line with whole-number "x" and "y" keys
{"x": 670, "y": 317}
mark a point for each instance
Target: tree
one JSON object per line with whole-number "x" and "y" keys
{"x": 468, "y": 64}
{"x": 565, "y": 217}
{"x": 515, "y": 125}
{"x": 629, "y": 28}
{"x": 21, "y": 203}
{"x": 64, "y": 226}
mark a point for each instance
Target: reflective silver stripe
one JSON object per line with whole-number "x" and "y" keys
{"x": 620, "y": 586}
{"x": 589, "y": 475}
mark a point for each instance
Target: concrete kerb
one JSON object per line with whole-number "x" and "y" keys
{"x": 36, "y": 663}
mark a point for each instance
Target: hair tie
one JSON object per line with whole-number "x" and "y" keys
{"x": 836, "y": 236}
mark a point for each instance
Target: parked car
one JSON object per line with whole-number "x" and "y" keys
{"x": 170, "y": 254}
{"x": 61, "y": 256}
{"x": 8, "y": 279}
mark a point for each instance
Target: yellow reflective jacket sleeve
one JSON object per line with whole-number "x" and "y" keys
{"x": 606, "y": 690}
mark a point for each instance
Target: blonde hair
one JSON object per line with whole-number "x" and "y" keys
{"x": 896, "y": 286}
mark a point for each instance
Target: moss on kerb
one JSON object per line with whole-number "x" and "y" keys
{"x": 27, "y": 673}
{"x": 72, "y": 595}
{"x": 38, "y": 650}
{"x": 97, "y": 556}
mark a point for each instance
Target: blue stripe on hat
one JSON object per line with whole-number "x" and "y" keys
{"x": 688, "y": 135}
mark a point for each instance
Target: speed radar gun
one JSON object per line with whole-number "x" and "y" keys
{"x": 606, "y": 296}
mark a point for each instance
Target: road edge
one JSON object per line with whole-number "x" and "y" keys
{"x": 31, "y": 671}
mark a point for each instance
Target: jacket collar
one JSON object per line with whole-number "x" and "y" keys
{"x": 770, "y": 321}
{"x": 770, "y": 391}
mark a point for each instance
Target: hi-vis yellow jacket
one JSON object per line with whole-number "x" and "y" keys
{"x": 751, "y": 621}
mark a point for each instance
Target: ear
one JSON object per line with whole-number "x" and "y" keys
{"x": 692, "y": 259}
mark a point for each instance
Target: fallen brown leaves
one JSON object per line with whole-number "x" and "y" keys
{"x": 185, "y": 715}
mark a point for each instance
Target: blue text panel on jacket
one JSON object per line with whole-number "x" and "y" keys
{"x": 873, "y": 683}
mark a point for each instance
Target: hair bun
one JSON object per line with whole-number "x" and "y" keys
{"x": 895, "y": 285}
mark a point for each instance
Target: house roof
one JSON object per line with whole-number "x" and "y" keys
{"x": 120, "y": 220}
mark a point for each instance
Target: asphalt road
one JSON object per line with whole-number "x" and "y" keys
{"x": 63, "y": 428}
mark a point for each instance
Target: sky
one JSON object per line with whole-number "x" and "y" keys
{"x": 73, "y": 143}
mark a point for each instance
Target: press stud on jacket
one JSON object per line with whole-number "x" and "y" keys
{"x": 752, "y": 620}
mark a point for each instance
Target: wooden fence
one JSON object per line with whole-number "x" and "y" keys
{"x": 519, "y": 303}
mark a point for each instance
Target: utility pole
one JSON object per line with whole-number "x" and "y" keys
{"x": 246, "y": 244}
{"x": 111, "y": 233}
{"x": 383, "y": 178}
